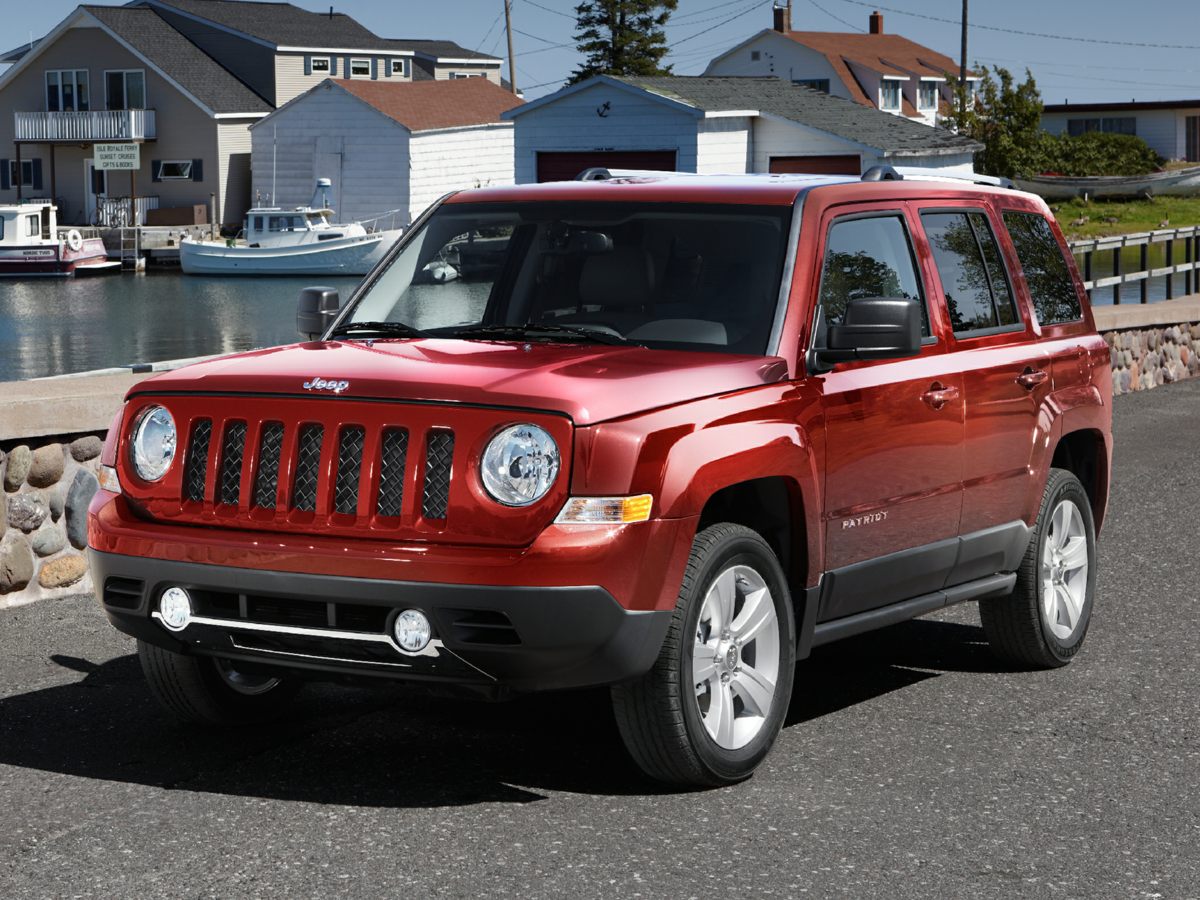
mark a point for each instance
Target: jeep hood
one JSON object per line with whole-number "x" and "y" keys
{"x": 588, "y": 382}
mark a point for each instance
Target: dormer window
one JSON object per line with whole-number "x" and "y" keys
{"x": 360, "y": 68}
{"x": 320, "y": 65}
{"x": 398, "y": 67}
{"x": 889, "y": 95}
{"x": 927, "y": 94}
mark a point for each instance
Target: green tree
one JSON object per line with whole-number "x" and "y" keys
{"x": 622, "y": 37}
{"x": 1006, "y": 118}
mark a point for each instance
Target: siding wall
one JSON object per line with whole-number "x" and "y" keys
{"x": 782, "y": 57}
{"x": 233, "y": 145}
{"x": 442, "y": 72}
{"x": 251, "y": 62}
{"x": 1162, "y": 129}
{"x": 723, "y": 146}
{"x": 456, "y": 159}
{"x": 291, "y": 82}
{"x": 184, "y": 130}
{"x": 632, "y": 123}
{"x": 329, "y": 129}
{"x": 778, "y": 137}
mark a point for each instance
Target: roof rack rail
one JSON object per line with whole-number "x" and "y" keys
{"x": 882, "y": 173}
{"x": 912, "y": 173}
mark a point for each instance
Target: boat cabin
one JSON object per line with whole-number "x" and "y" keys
{"x": 275, "y": 227}
{"x": 28, "y": 223}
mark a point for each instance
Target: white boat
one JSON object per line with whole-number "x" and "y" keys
{"x": 32, "y": 246}
{"x": 298, "y": 241}
{"x": 1176, "y": 183}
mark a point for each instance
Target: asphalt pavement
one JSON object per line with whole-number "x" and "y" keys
{"x": 912, "y": 764}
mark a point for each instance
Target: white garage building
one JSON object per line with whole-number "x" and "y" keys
{"x": 385, "y": 146}
{"x": 718, "y": 125}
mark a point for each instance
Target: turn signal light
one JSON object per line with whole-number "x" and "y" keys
{"x": 606, "y": 510}
{"x": 107, "y": 476}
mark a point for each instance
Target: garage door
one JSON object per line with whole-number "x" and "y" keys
{"x": 565, "y": 166}
{"x": 849, "y": 164}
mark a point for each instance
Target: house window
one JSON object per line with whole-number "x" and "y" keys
{"x": 817, "y": 84}
{"x": 67, "y": 91}
{"x": 176, "y": 170}
{"x": 26, "y": 172}
{"x": 320, "y": 65}
{"x": 125, "y": 90}
{"x": 398, "y": 67}
{"x": 927, "y": 95}
{"x": 1112, "y": 125}
{"x": 454, "y": 75}
{"x": 360, "y": 68}
{"x": 755, "y": 55}
{"x": 889, "y": 95}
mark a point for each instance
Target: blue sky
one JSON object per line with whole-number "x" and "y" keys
{"x": 701, "y": 29}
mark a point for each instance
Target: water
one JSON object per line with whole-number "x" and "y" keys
{"x": 53, "y": 326}
{"x": 1131, "y": 261}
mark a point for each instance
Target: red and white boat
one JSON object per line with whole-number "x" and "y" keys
{"x": 30, "y": 244}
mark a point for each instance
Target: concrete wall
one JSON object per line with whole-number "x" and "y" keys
{"x": 184, "y": 130}
{"x": 458, "y": 158}
{"x": 633, "y": 122}
{"x": 723, "y": 145}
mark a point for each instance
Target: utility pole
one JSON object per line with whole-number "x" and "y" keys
{"x": 962, "y": 68}
{"x": 512, "y": 59}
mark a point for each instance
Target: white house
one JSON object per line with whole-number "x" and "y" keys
{"x": 885, "y": 71}
{"x": 718, "y": 125}
{"x": 386, "y": 146}
{"x": 1170, "y": 127}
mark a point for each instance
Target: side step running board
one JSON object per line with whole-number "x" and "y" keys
{"x": 991, "y": 586}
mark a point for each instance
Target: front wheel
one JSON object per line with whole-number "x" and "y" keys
{"x": 712, "y": 706}
{"x": 207, "y": 691}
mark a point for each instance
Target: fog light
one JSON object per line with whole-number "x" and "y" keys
{"x": 175, "y": 608}
{"x": 412, "y": 630}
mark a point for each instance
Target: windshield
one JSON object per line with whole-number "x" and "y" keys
{"x": 673, "y": 276}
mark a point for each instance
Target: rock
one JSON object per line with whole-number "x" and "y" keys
{"x": 63, "y": 571}
{"x": 55, "y": 498}
{"x": 3, "y": 513}
{"x": 1127, "y": 382}
{"x": 16, "y": 563}
{"x": 19, "y": 461}
{"x": 48, "y": 540}
{"x": 78, "y": 497}
{"x": 86, "y": 448}
{"x": 47, "y": 466}
{"x": 27, "y": 512}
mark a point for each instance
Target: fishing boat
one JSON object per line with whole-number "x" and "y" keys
{"x": 32, "y": 246}
{"x": 296, "y": 241}
{"x": 1176, "y": 182}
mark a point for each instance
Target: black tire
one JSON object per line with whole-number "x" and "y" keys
{"x": 192, "y": 689}
{"x": 1016, "y": 626}
{"x": 658, "y": 714}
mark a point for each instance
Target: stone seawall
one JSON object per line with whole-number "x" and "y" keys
{"x": 1150, "y": 357}
{"x": 46, "y": 488}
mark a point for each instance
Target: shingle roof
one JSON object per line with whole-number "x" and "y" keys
{"x": 425, "y": 105}
{"x": 16, "y": 53}
{"x": 282, "y": 24}
{"x": 197, "y": 72}
{"x": 894, "y": 135}
{"x": 438, "y": 49}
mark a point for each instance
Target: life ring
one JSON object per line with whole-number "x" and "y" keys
{"x": 74, "y": 240}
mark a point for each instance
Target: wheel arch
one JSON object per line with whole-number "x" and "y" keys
{"x": 1084, "y": 453}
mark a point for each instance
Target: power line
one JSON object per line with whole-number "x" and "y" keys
{"x": 488, "y": 34}
{"x": 734, "y": 17}
{"x": 535, "y": 37}
{"x": 1037, "y": 34}
{"x": 557, "y": 12}
{"x": 697, "y": 12}
{"x": 832, "y": 16}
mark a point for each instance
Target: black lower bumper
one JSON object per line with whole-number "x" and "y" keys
{"x": 523, "y": 638}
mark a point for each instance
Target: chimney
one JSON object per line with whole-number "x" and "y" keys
{"x": 877, "y": 22}
{"x": 783, "y": 16}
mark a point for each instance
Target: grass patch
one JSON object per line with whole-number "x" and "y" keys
{"x": 1106, "y": 218}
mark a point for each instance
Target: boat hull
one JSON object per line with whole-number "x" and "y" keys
{"x": 1180, "y": 183}
{"x": 47, "y": 260}
{"x": 341, "y": 256}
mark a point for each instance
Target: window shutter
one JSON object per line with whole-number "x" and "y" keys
{"x": 197, "y": 170}
{"x": 345, "y": 67}
{"x": 37, "y": 174}
{"x": 387, "y": 68}
{"x": 4, "y": 179}
{"x": 156, "y": 170}
{"x": 333, "y": 67}
{"x": 374, "y": 69}
{"x": 308, "y": 65}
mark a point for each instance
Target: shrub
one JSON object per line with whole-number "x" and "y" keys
{"x": 1094, "y": 153}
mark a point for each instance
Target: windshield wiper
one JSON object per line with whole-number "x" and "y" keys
{"x": 387, "y": 329}
{"x": 535, "y": 330}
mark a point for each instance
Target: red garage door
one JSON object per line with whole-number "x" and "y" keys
{"x": 849, "y": 164}
{"x": 565, "y": 166}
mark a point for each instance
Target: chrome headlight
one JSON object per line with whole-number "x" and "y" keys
{"x": 153, "y": 443}
{"x": 519, "y": 465}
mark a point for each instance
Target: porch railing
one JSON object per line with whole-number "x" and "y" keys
{"x": 95, "y": 125}
{"x": 118, "y": 212}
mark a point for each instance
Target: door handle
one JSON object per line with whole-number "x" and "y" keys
{"x": 938, "y": 395}
{"x": 1031, "y": 378}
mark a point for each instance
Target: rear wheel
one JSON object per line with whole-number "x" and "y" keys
{"x": 712, "y": 706}
{"x": 208, "y": 691}
{"x": 1044, "y": 622}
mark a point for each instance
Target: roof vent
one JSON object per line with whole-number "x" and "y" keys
{"x": 876, "y": 22}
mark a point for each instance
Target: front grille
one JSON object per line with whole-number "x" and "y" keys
{"x": 196, "y": 469}
{"x": 391, "y": 471}
{"x": 123, "y": 593}
{"x": 439, "y": 456}
{"x": 350, "y": 454}
{"x": 334, "y": 615}
{"x": 266, "y": 479}
{"x": 308, "y": 464}
{"x": 233, "y": 447}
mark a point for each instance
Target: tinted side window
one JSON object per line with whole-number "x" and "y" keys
{"x": 972, "y": 273}
{"x": 1049, "y": 279}
{"x": 869, "y": 257}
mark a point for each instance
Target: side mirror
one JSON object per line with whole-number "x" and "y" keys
{"x": 874, "y": 328}
{"x": 316, "y": 309}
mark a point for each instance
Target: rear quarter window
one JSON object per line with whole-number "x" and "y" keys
{"x": 974, "y": 282}
{"x": 1050, "y": 284}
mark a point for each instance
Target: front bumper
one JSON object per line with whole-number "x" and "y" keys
{"x": 518, "y": 637}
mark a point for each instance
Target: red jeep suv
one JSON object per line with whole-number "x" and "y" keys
{"x": 660, "y": 432}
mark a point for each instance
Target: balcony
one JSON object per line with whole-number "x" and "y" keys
{"x": 85, "y": 127}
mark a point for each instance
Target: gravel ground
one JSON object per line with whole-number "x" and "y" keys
{"x": 912, "y": 765}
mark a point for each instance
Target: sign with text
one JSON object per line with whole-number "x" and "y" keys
{"x": 110, "y": 157}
